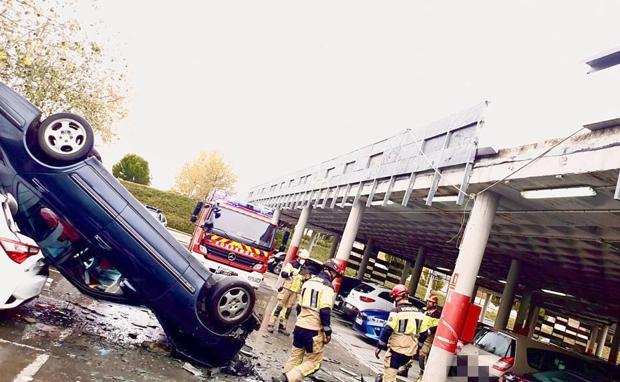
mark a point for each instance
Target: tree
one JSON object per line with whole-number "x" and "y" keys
{"x": 133, "y": 168}
{"x": 208, "y": 171}
{"x": 50, "y": 61}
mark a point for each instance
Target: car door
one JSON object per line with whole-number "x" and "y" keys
{"x": 89, "y": 263}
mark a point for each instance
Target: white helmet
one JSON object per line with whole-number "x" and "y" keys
{"x": 303, "y": 254}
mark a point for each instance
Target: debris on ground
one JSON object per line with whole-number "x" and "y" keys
{"x": 190, "y": 368}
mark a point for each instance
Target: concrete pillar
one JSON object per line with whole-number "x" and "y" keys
{"x": 276, "y": 216}
{"x": 592, "y": 340}
{"x": 463, "y": 280}
{"x": 406, "y": 272}
{"x": 350, "y": 231}
{"x": 532, "y": 320}
{"x": 524, "y": 308}
{"x": 505, "y": 305}
{"x": 334, "y": 247}
{"x": 602, "y": 338}
{"x": 485, "y": 306}
{"x": 615, "y": 346}
{"x": 369, "y": 250}
{"x": 431, "y": 284}
{"x": 417, "y": 271}
{"x": 298, "y": 234}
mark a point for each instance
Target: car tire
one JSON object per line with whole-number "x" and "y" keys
{"x": 277, "y": 268}
{"x": 65, "y": 138}
{"x": 231, "y": 301}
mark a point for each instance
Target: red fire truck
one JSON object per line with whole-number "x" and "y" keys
{"x": 233, "y": 238}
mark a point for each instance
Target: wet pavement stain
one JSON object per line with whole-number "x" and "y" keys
{"x": 89, "y": 340}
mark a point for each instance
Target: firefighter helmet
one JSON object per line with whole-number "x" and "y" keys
{"x": 399, "y": 290}
{"x": 335, "y": 265}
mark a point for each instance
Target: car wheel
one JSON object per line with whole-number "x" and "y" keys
{"x": 231, "y": 301}
{"x": 277, "y": 268}
{"x": 65, "y": 137}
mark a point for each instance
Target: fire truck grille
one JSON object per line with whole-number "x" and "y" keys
{"x": 240, "y": 260}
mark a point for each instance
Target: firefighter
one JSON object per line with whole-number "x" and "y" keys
{"x": 398, "y": 336}
{"x": 428, "y": 327}
{"x": 313, "y": 327}
{"x": 288, "y": 292}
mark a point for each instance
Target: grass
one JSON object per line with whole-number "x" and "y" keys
{"x": 176, "y": 207}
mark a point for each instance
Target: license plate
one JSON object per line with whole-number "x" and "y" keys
{"x": 359, "y": 321}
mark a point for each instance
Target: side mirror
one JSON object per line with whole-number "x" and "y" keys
{"x": 196, "y": 211}
{"x": 10, "y": 199}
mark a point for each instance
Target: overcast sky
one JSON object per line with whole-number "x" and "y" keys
{"x": 279, "y": 85}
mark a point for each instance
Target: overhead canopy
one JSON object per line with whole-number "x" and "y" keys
{"x": 569, "y": 245}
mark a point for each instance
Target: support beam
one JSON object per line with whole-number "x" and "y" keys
{"x": 602, "y": 338}
{"x": 462, "y": 284}
{"x": 431, "y": 284}
{"x": 524, "y": 307}
{"x": 298, "y": 234}
{"x": 334, "y": 247}
{"x": 369, "y": 251}
{"x": 276, "y": 216}
{"x": 592, "y": 340}
{"x": 532, "y": 320}
{"x": 485, "y": 306}
{"x": 349, "y": 235}
{"x": 417, "y": 271}
{"x": 313, "y": 239}
{"x": 505, "y": 306}
{"x": 405, "y": 273}
{"x": 615, "y": 346}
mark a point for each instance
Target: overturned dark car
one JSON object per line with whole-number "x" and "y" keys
{"x": 106, "y": 243}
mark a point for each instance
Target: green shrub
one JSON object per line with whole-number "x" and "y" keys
{"x": 176, "y": 207}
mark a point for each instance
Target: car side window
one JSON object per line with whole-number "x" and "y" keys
{"x": 54, "y": 234}
{"x": 385, "y": 296}
{"x": 65, "y": 246}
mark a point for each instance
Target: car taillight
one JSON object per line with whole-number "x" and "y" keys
{"x": 504, "y": 364}
{"x": 18, "y": 252}
{"x": 367, "y": 299}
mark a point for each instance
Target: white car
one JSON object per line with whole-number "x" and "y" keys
{"x": 22, "y": 269}
{"x": 157, "y": 214}
{"x": 367, "y": 297}
{"x": 505, "y": 354}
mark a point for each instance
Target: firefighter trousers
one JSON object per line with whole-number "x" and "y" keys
{"x": 286, "y": 301}
{"x": 306, "y": 355}
{"x": 391, "y": 363}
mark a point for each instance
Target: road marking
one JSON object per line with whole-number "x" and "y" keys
{"x": 54, "y": 271}
{"x": 29, "y": 371}
{"x": 3, "y": 341}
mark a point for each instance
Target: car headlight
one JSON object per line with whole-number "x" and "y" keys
{"x": 258, "y": 267}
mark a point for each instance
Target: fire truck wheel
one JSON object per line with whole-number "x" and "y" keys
{"x": 231, "y": 301}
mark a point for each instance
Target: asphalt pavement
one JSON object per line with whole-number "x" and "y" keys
{"x": 66, "y": 336}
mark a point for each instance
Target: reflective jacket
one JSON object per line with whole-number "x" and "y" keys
{"x": 292, "y": 277}
{"x": 316, "y": 301}
{"x": 399, "y": 332}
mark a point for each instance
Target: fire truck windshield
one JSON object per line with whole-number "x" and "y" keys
{"x": 244, "y": 228}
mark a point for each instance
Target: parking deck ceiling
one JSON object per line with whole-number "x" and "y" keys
{"x": 569, "y": 245}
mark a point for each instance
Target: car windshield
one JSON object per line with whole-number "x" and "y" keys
{"x": 496, "y": 343}
{"x": 240, "y": 226}
{"x": 364, "y": 288}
